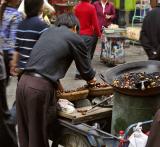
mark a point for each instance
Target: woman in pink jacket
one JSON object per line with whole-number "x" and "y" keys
{"x": 105, "y": 12}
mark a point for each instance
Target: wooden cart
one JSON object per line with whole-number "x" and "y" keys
{"x": 76, "y": 127}
{"x": 89, "y": 130}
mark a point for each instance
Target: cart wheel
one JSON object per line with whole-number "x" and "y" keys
{"x": 72, "y": 139}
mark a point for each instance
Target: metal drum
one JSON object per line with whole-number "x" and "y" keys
{"x": 133, "y": 105}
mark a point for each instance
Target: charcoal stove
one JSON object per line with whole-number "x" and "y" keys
{"x": 133, "y": 105}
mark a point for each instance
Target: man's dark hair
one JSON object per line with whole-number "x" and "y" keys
{"x": 32, "y": 7}
{"x": 69, "y": 20}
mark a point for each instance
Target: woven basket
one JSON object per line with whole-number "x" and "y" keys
{"x": 94, "y": 92}
{"x": 73, "y": 96}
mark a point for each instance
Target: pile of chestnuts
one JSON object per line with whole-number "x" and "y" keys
{"x": 136, "y": 80}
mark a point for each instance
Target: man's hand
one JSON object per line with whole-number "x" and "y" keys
{"x": 14, "y": 71}
{"x": 92, "y": 82}
{"x": 13, "y": 64}
{"x": 13, "y": 68}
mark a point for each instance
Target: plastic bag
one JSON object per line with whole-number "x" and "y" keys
{"x": 65, "y": 106}
{"x": 138, "y": 138}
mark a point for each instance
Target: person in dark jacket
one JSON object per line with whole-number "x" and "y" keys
{"x": 150, "y": 34}
{"x": 154, "y": 136}
{"x": 49, "y": 61}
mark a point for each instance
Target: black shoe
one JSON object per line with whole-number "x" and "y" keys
{"x": 78, "y": 77}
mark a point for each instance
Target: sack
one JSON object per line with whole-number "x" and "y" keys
{"x": 65, "y": 106}
{"x": 138, "y": 138}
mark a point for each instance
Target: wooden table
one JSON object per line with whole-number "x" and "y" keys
{"x": 94, "y": 114}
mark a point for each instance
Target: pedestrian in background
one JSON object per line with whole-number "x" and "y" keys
{"x": 46, "y": 8}
{"x": 150, "y": 33}
{"x": 9, "y": 20}
{"x": 28, "y": 33}
{"x": 7, "y": 130}
{"x": 106, "y": 13}
{"x": 89, "y": 29}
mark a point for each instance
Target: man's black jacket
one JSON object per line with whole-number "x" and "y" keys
{"x": 54, "y": 52}
{"x": 150, "y": 34}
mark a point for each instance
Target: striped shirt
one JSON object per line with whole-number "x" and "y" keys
{"x": 10, "y": 21}
{"x": 28, "y": 32}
